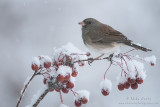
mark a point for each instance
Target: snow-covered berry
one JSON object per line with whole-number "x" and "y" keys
{"x": 131, "y": 81}
{"x": 74, "y": 73}
{"x": 65, "y": 90}
{"x": 139, "y": 80}
{"x": 78, "y": 103}
{"x": 134, "y": 86}
{"x": 84, "y": 100}
{"x": 67, "y": 77}
{"x": 126, "y": 85}
{"x": 105, "y": 92}
{"x": 60, "y": 78}
{"x": 70, "y": 85}
{"x": 47, "y": 64}
{"x": 35, "y": 67}
{"x": 120, "y": 87}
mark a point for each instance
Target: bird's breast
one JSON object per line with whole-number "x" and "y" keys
{"x": 102, "y": 47}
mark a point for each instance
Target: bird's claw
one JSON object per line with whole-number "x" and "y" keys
{"x": 90, "y": 60}
{"x": 110, "y": 57}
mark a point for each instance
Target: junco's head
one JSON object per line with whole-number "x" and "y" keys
{"x": 89, "y": 22}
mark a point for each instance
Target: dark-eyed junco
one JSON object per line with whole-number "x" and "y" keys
{"x": 104, "y": 38}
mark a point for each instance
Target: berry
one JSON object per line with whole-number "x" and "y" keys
{"x": 78, "y": 103}
{"x": 126, "y": 85}
{"x": 60, "y": 78}
{"x": 67, "y": 77}
{"x": 51, "y": 90}
{"x": 88, "y": 54}
{"x": 139, "y": 80}
{"x": 134, "y": 86}
{"x": 81, "y": 64}
{"x": 105, "y": 92}
{"x": 47, "y": 64}
{"x": 121, "y": 87}
{"x": 84, "y": 100}
{"x": 65, "y": 90}
{"x": 60, "y": 63}
{"x": 74, "y": 73}
{"x": 70, "y": 85}
{"x": 131, "y": 81}
{"x": 152, "y": 64}
{"x": 44, "y": 81}
{"x": 58, "y": 90}
{"x": 35, "y": 67}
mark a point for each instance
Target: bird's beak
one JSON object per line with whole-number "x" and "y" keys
{"x": 82, "y": 24}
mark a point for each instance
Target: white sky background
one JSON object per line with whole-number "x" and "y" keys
{"x": 30, "y": 28}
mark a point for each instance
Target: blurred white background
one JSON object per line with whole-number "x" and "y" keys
{"x": 30, "y": 28}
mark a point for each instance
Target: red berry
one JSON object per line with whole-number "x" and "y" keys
{"x": 152, "y": 64}
{"x": 60, "y": 63}
{"x": 126, "y": 85}
{"x": 65, "y": 90}
{"x": 74, "y": 73}
{"x": 44, "y": 81}
{"x": 131, "y": 81}
{"x": 35, "y": 67}
{"x": 60, "y": 78}
{"x": 58, "y": 90}
{"x": 81, "y": 64}
{"x": 47, "y": 64}
{"x": 121, "y": 87}
{"x": 84, "y": 100}
{"x": 78, "y": 103}
{"x": 139, "y": 80}
{"x": 134, "y": 86}
{"x": 105, "y": 92}
{"x": 70, "y": 85}
{"x": 67, "y": 77}
{"x": 88, "y": 54}
{"x": 51, "y": 90}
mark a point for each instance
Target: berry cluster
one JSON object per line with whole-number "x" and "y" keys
{"x": 133, "y": 83}
{"x": 59, "y": 74}
{"x": 81, "y": 101}
{"x": 81, "y": 97}
{"x": 132, "y": 72}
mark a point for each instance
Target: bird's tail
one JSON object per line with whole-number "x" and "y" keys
{"x": 137, "y": 47}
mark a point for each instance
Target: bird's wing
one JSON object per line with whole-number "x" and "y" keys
{"x": 108, "y": 35}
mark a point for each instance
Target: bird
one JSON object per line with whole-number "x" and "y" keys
{"x": 103, "y": 38}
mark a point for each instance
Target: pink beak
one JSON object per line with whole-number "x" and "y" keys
{"x": 82, "y": 24}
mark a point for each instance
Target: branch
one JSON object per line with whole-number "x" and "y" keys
{"x": 92, "y": 59}
{"x": 40, "y": 98}
{"x": 25, "y": 87}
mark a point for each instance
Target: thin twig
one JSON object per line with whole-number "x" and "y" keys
{"x": 129, "y": 51}
{"x": 107, "y": 70}
{"x": 25, "y": 87}
{"x": 40, "y": 98}
{"x": 61, "y": 97}
{"x": 91, "y": 59}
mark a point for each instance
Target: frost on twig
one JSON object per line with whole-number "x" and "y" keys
{"x": 38, "y": 97}
{"x": 27, "y": 82}
{"x": 60, "y": 71}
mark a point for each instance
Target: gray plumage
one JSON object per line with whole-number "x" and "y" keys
{"x": 101, "y": 36}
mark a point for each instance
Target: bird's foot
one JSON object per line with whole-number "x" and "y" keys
{"x": 90, "y": 60}
{"x": 110, "y": 57}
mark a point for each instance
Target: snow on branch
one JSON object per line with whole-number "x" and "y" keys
{"x": 60, "y": 71}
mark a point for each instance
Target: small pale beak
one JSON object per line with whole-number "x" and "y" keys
{"x": 82, "y": 24}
